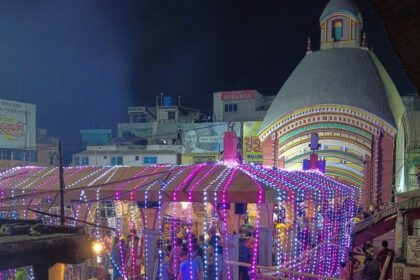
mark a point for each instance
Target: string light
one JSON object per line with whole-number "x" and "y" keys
{"x": 224, "y": 203}
{"x": 221, "y": 175}
{"x": 190, "y": 201}
{"x": 320, "y": 226}
{"x": 162, "y": 187}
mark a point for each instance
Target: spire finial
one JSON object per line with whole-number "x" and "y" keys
{"x": 309, "y": 46}
{"x": 364, "y": 44}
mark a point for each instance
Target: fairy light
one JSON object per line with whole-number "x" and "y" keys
{"x": 216, "y": 251}
{"x": 162, "y": 187}
{"x": 82, "y": 196}
{"x": 133, "y": 243}
{"x": 330, "y": 236}
{"x": 221, "y": 175}
{"x": 185, "y": 181}
{"x": 257, "y": 230}
{"x": 190, "y": 200}
{"x": 146, "y": 196}
{"x": 308, "y": 183}
{"x": 224, "y": 202}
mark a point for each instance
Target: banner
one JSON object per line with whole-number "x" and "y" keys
{"x": 17, "y": 125}
{"x": 238, "y": 95}
{"x": 413, "y": 249}
{"x": 205, "y": 137}
{"x": 252, "y": 150}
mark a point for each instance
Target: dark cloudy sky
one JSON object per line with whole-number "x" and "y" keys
{"x": 83, "y": 62}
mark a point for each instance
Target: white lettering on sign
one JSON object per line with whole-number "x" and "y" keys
{"x": 238, "y": 95}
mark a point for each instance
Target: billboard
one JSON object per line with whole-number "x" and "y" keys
{"x": 205, "y": 137}
{"x": 17, "y": 125}
{"x": 413, "y": 249}
{"x": 252, "y": 150}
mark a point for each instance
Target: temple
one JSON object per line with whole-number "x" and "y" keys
{"x": 343, "y": 93}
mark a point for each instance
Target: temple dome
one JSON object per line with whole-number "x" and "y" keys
{"x": 339, "y": 76}
{"x": 335, "y": 6}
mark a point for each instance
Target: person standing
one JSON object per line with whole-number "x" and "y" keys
{"x": 175, "y": 257}
{"x": 197, "y": 257}
{"x": 108, "y": 250}
{"x": 372, "y": 268}
{"x": 381, "y": 257}
{"x": 116, "y": 259}
{"x": 244, "y": 256}
{"x": 188, "y": 270}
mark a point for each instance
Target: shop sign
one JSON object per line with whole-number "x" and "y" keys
{"x": 238, "y": 95}
{"x": 413, "y": 250}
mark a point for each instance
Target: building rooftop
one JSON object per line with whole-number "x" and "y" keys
{"x": 340, "y": 6}
{"x": 347, "y": 76}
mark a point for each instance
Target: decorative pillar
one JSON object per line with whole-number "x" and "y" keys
{"x": 265, "y": 253}
{"x": 399, "y": 234}
{"x": 233, "y": 255}
{"x": 150, "y": 238}
{"x": 151, "y": 234}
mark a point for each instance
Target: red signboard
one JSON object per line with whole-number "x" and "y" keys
{"x": 238, "y": 95}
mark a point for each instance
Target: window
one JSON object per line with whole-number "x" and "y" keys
{"x": 137, "y": 158}
{"x": 85, "y": 160}
{"x": 337, "y": 29}
{"x": 116, "y": 160}
{"x": 138, "y": 118}
{"x": 171, "y": 115}
{"x": 52, "y": 159}
{"x": 76, "y": 161}
{"x": 33, "y": 156}
{"x": 231, "y": 107}
{"x": 7, "y": 155}
{"x": 150, "y": 160}
{"x": 17, "y": 155}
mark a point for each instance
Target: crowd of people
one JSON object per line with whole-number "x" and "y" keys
{"x": 369, "y": 266}
{"x": 179, "y": 258}
{"x": 184, "y": 257}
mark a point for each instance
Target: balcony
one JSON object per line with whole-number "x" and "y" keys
{"x": 413, "y": 182}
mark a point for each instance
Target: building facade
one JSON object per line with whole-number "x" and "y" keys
{"x": 241, "y": 105}
{"x": 118, "y": 155}
{"x": 343, "y": 93}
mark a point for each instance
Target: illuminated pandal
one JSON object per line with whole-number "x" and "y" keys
{"x": 305, "y": 185}
{"x": 315, "y": 246}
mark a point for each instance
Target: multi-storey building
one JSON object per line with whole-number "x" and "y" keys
{"x": 241, "y": 105}
{"x": 127, "y": 155}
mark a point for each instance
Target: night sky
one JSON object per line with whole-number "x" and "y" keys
{"x": 82, "y": 63}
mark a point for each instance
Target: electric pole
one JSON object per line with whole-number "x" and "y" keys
{"x": 61, "y": 178}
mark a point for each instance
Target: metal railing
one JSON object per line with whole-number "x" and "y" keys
{"x": 72, "y": 272}
{"x": 371, "y": 220}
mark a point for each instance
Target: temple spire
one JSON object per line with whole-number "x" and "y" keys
{"x": 341, "y": 25}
